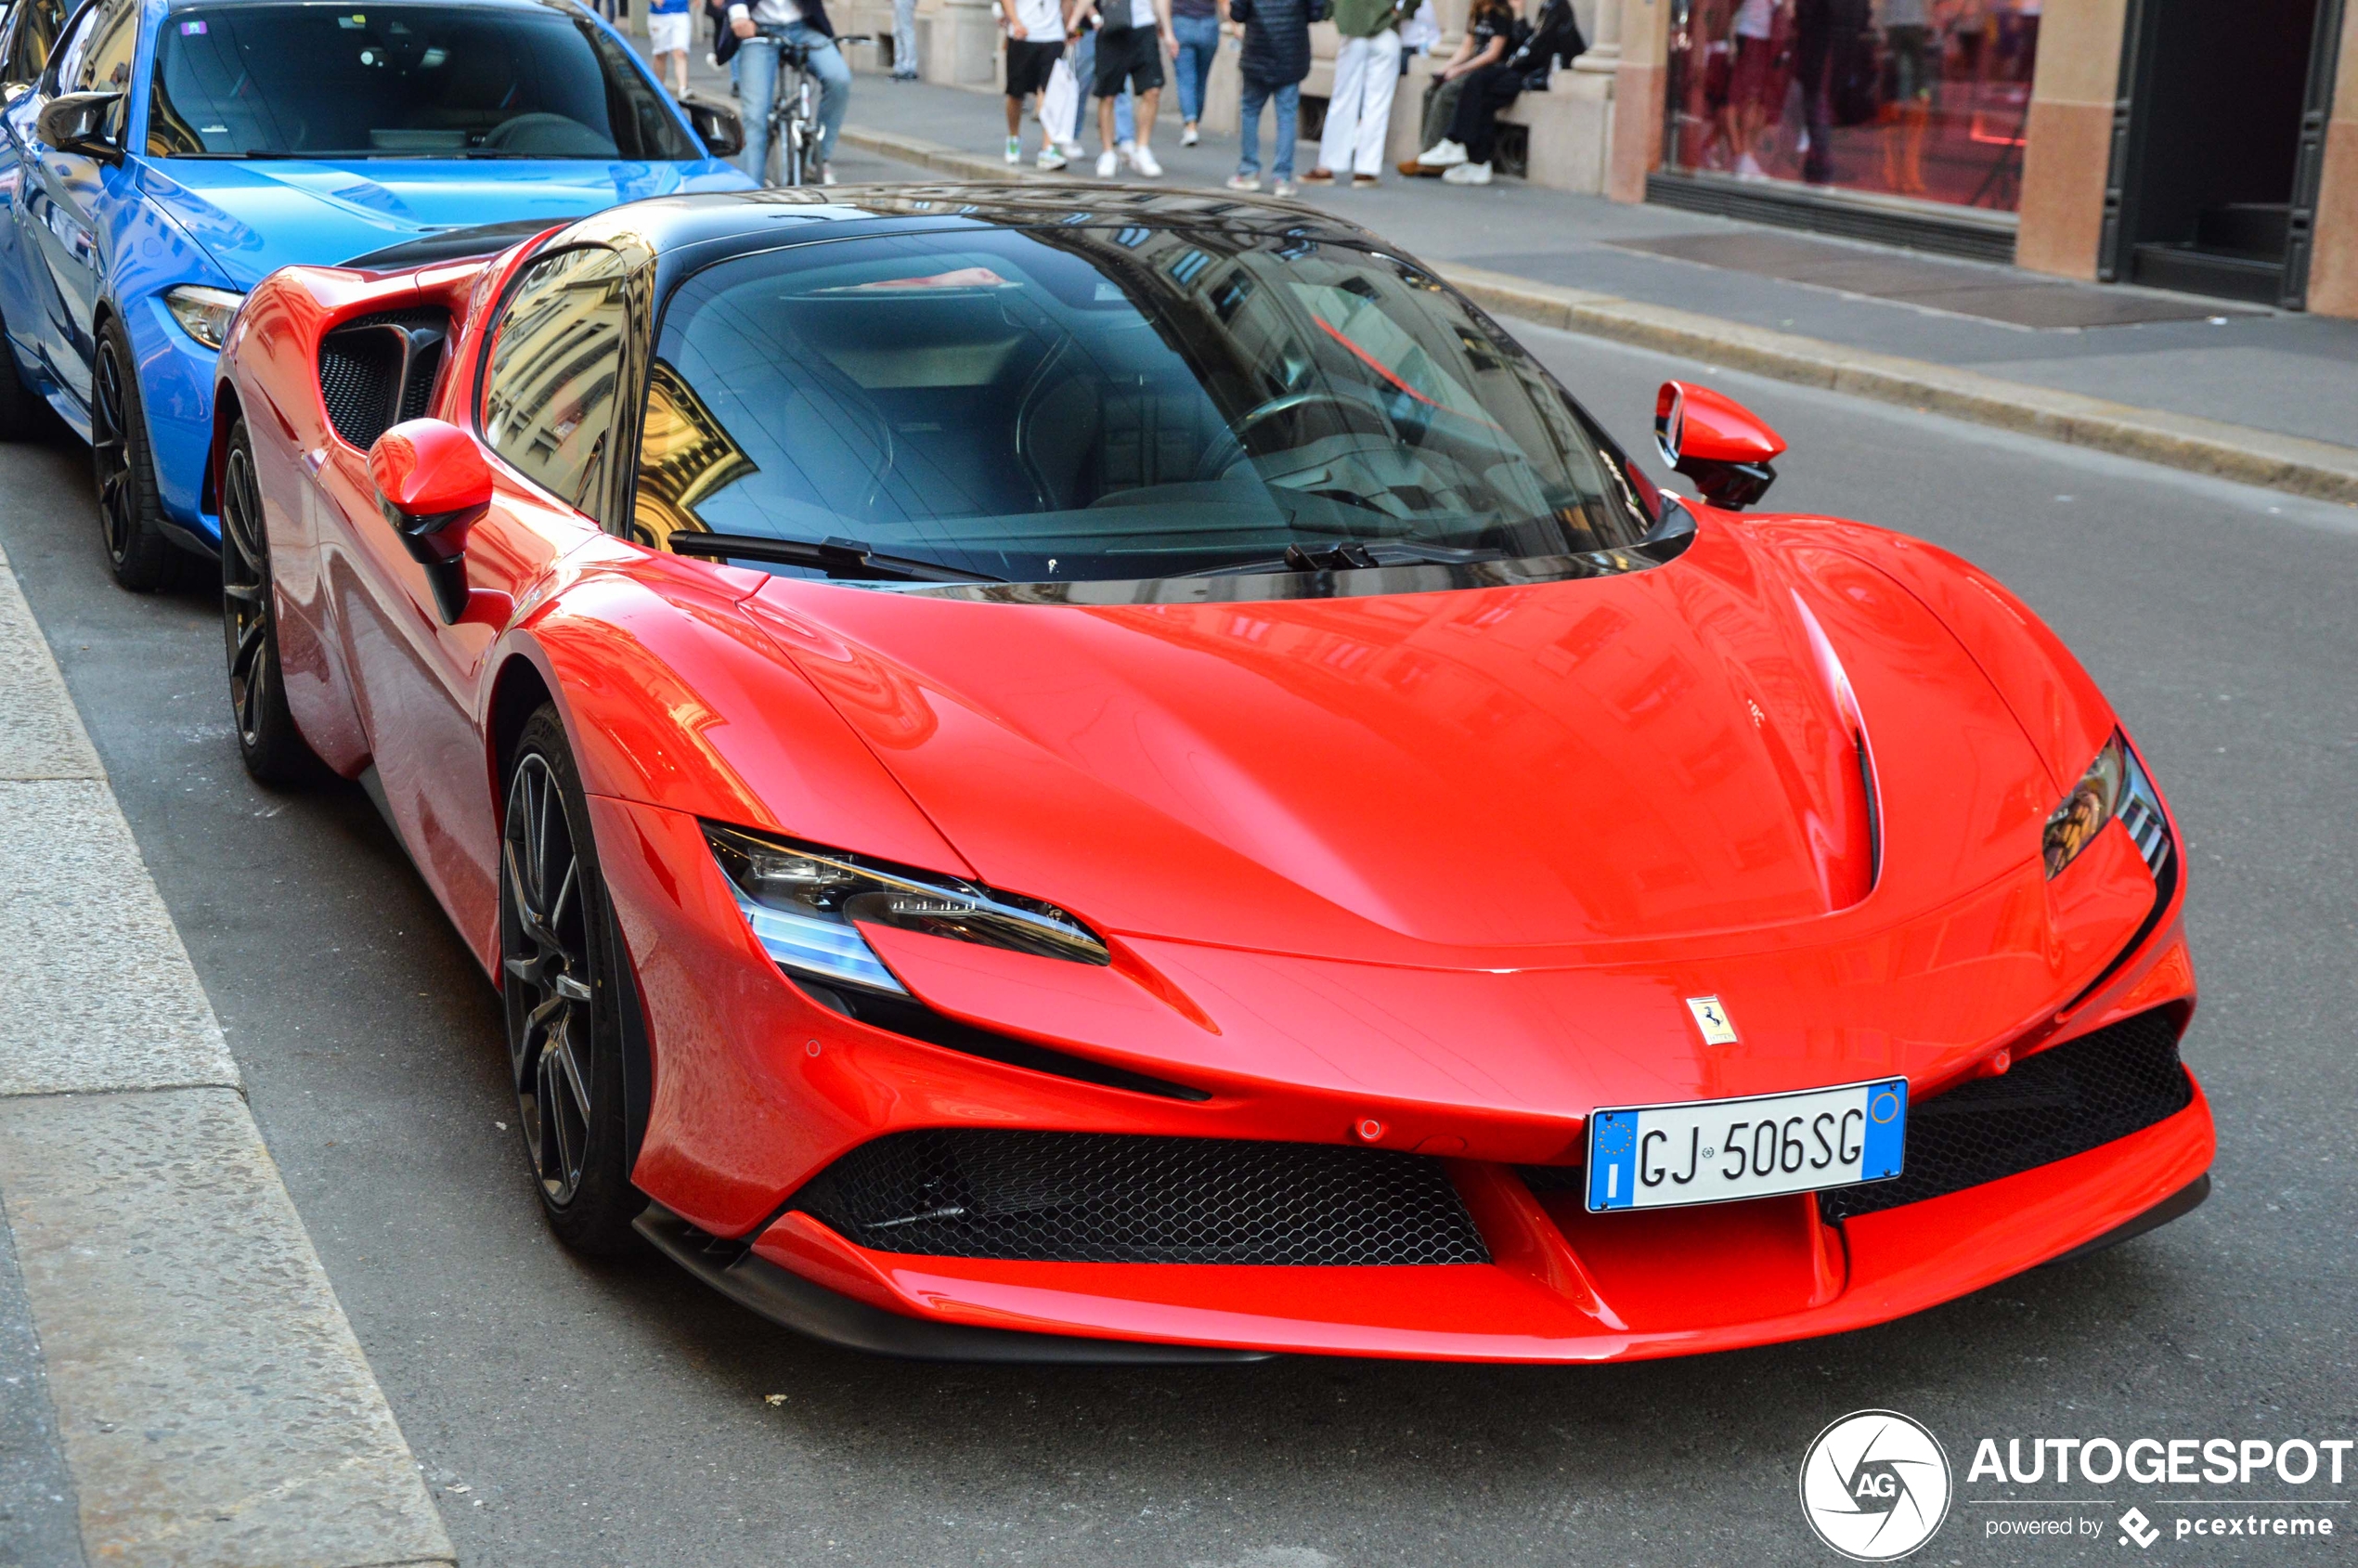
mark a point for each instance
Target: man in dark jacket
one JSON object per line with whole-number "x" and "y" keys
{"x": 1274, "y": 61}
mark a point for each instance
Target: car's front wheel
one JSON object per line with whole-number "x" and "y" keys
{"x": 274, "y": 750}
{"x": 558, "y": 961}
{"x": 130, "y": 513}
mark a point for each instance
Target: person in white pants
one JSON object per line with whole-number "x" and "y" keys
{"x": 1359, "y": 114}
{"x": 904, "y": 40}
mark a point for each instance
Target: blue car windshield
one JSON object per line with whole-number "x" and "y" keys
{"x": 1075, "y": 403}
{"x": 401, "y": 81}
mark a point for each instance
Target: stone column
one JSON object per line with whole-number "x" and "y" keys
{"x": 1638, "y": 81}
{"x": 1604, "y": 43}
{"x": 2067, "y": 137}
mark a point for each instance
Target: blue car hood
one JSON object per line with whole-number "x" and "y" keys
{"x": 256, "y": 218}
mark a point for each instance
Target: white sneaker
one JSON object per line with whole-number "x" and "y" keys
{"x": 1467, "y": 173}
{"x": 1069, "y": 147}
{"x": 1748, "y": 168}
{"x": 1015, "y": 149}
{"x": 1244, "y": 181}
{"x": 1108, "y": 164}
{"x": 1187, "y": 136}
{"x": 1129, "y": 150}
{"x": 827, "y": 173}
{"x": 1142, "y": 158}
{"x": 1050, "y": 158}
{"x": 1443, "y": 154}
{"x": 1282, "y": 188}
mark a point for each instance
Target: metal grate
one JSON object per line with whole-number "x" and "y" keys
{"x": 1108, "y": 1198}
{"x": 2063, "y": 1101}
{"x": 361, "y": 374}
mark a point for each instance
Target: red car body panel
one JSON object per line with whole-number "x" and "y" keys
{"x": 1448, "y": 863}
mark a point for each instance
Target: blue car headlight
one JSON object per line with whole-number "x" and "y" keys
{"x": 203, "y": 313}
{"x": 801, "y": 903}
{"x": 2114, "y": 785}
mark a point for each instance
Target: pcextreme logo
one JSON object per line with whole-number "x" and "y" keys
{"x": 1875, "y": 1485}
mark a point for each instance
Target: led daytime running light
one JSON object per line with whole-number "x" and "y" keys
{"x": 804, "y": 904}
{"x": 204, "y": 314}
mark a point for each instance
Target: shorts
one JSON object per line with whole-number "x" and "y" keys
{"x": 1029, "y": 65}
{"x": 667, "y": 33}
{"x": 1134, "y": 55}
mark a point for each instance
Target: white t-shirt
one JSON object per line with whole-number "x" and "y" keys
{"x": 1043, "y": 21}
{"x": 1141, "y": 13}
{"x": 768, "y": 13}
{"x": 1753, "y": 18}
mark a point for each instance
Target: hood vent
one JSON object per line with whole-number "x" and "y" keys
{"x": 380, "y": 370}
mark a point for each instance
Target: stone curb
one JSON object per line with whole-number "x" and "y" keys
{"x": 211, "y": 1401}
{"x": 2291, "y": 463}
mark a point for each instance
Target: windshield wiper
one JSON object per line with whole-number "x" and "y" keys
{"x": 1354, "y": 555}
{"x": 837, "y": 558}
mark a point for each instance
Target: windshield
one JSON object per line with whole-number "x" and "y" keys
{"x": 401, "y": 81}
{"x": 1077, "y": 404}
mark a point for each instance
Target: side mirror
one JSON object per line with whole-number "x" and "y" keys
{"x": 1716, "y": 442}
{"x": 77, "y": 122}
{"x": 720, "y": 125}
{"x": 433, "y": 486}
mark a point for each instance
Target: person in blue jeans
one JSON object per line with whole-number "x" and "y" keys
{"x": 1275, "y": 59}
{"x": 1197, "y": 25}
{"x": 761, "y": 27}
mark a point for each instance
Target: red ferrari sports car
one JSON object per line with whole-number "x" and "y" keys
{"x": 1121, "y": 776}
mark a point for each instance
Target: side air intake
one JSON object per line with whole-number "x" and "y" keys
{"x": 380, "y": 370}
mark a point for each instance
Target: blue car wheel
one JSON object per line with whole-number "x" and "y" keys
{"x": 129, "y": 510}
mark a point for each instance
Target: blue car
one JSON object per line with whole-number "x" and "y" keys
{"x": 162, "y": 156}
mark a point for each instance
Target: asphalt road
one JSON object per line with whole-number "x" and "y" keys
{"x": 579, "y": 1416}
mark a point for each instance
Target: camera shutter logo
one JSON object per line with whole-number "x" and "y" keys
{"x": 1875, "y": 1485}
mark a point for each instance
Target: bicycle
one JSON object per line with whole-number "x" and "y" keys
{"x": 793, "y": 115}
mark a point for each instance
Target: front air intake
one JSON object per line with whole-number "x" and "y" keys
{"x": 378, "y": 370}
{"x": 1121, "y": 1199}
{"x": 2065, "y": 1100}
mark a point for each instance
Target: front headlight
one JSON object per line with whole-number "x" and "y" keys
{"x": 2114, "y": 785}
{"x": 801, "y": 903}
{"x": 203, "y": 313}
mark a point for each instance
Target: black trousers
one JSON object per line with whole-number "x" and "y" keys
{"x": 1488, "y": 91}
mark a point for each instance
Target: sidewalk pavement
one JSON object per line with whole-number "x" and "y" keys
{"x": 2262, "y": 397}
{"x": 178, "y": 1382}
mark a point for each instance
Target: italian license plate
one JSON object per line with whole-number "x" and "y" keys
{"x": 1710, "y": 1151}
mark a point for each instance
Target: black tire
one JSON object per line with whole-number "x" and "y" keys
{"x": 560, "y": 976}
{"x": 130, "y": 515}
{"x": 273, "y": 749}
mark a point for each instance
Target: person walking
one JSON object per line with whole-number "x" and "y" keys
{"x": 1035, "y": 32}
{"x": 904, "y": 40}
{"x": 1128, "y": 31}
{"x": 1196, "y": 23}
{"x": 668, "y": 24}
{"x": 1081, "y": 30}
{"x": 1359, "y": 111}
{"x": 761, "y": 27}
{"x": 1274, "y": 63}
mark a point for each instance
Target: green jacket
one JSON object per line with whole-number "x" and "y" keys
{"x": 1364, "y": 19}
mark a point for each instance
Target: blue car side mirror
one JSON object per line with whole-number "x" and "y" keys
{"x": 79, "y": 122}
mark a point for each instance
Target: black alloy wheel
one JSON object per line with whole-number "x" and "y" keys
{"x": 558, "y": 958}
{"x": 272, "y": 747}
{"x": 130, "y": 515}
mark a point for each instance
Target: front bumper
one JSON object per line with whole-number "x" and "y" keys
{"x": 1563, "y": 1288}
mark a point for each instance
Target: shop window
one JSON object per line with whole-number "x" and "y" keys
{"x": 1920, "y": 99}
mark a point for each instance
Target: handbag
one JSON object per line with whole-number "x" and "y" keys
{"x": 1060, "y": 105}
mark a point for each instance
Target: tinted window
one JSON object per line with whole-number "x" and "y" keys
{"x": 1095, "y": 403}
{"x": 549, "y": 406}
{"x": 36, "y": 33}
{"x": 402, "y": 80}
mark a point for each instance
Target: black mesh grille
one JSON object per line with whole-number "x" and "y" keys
{"x": 2063, "y": 1101}
{"x": 1554, "y": 1178}
{"x": 1107, "y": 1197}
{"x": 359, "y": 370}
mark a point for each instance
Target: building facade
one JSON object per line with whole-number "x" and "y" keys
{"x": 2182, "y": 144}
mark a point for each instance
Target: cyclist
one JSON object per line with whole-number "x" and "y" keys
{"x": 763, "y": 26}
